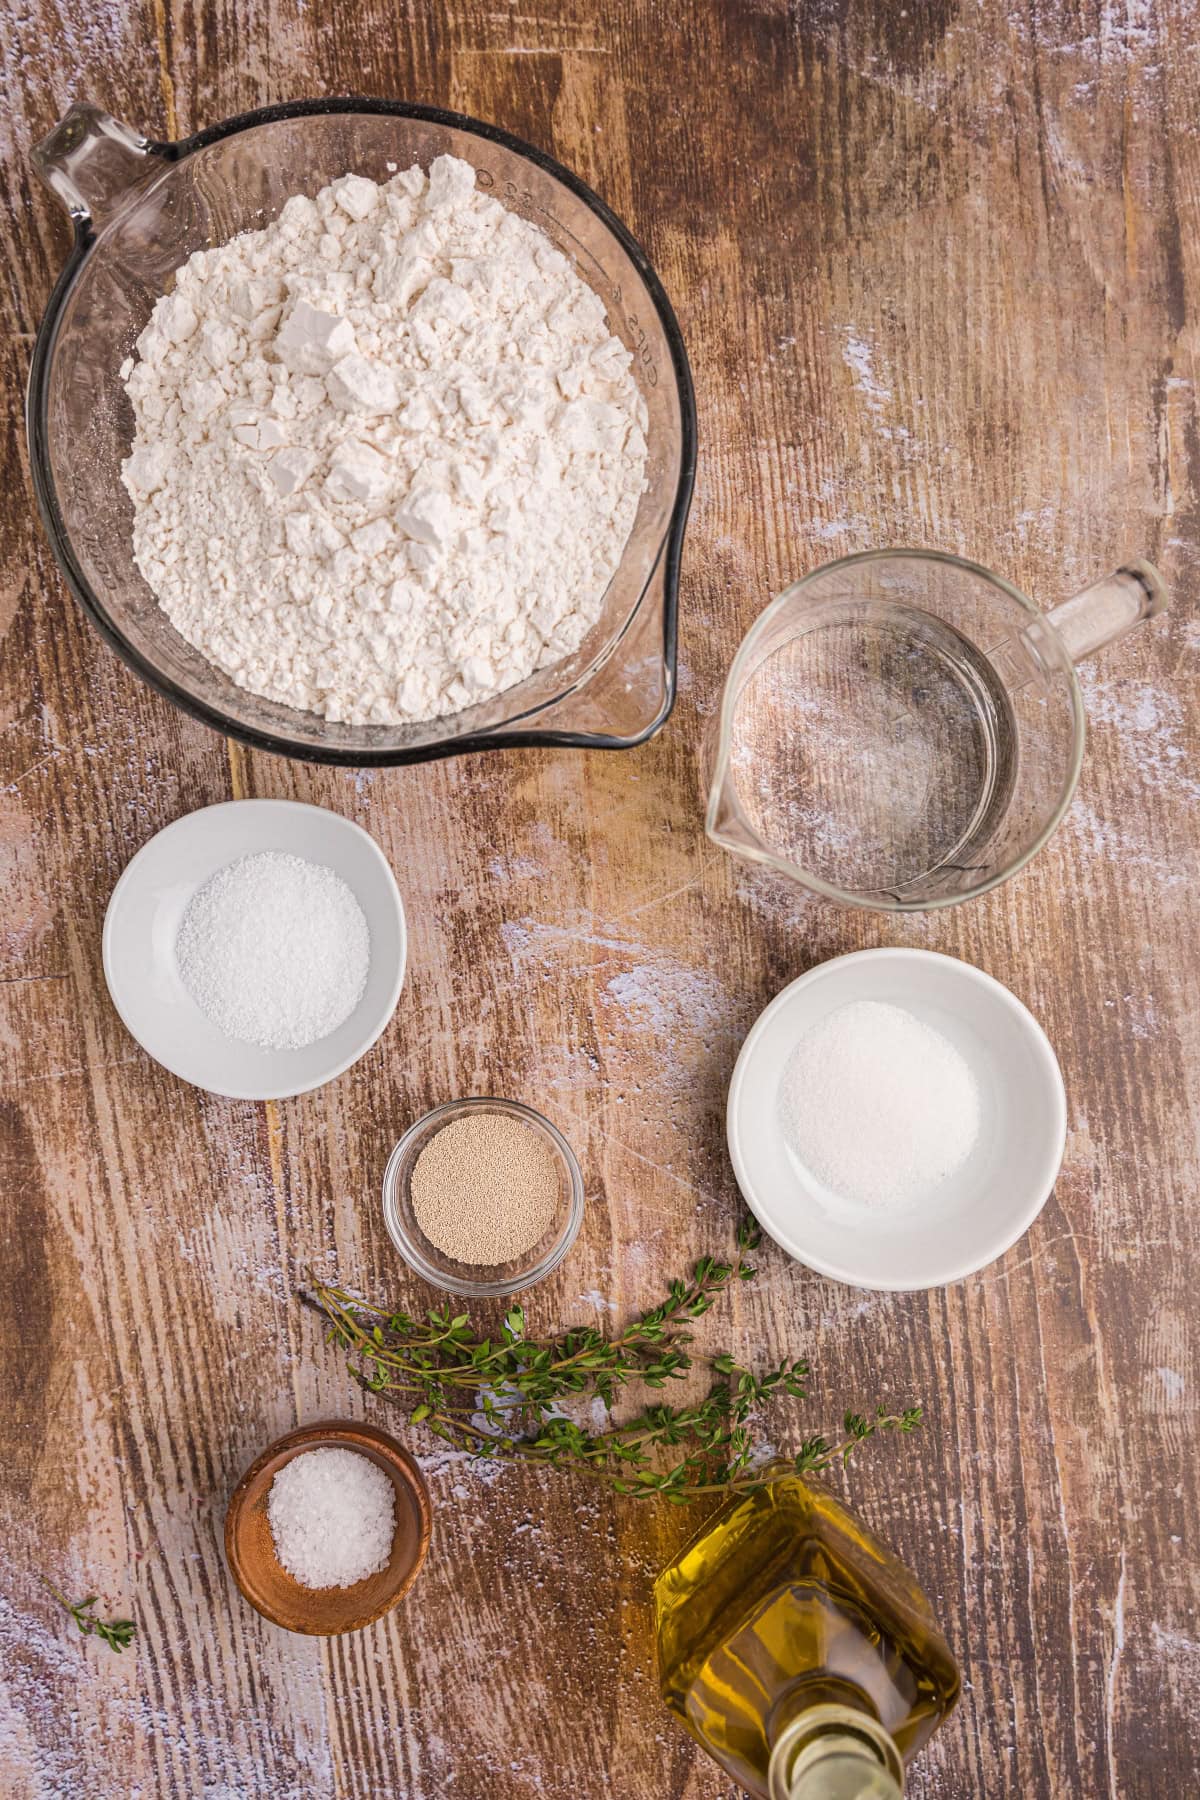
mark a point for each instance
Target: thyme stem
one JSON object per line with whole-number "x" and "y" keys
{"x": 118, "y": 1634}
{"x": 509, "y": 1397}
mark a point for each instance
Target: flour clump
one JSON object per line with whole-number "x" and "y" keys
{"x": 387, "y": 452}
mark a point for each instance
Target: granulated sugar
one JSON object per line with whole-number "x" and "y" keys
{"x": 332, "y": 1515}
{"x": 878, "y": 1105}
{"x": 275, "y": 950}
{"x": 485, "y": 1189}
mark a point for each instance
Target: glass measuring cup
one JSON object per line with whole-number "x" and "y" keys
{"x": 903, "y": 729}
{"x": 139, "y": 209}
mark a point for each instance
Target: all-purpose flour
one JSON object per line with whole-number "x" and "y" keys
{"x": 387, "y": 454}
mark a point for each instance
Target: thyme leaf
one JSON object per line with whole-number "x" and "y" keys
{"x": 118, "y": 1634}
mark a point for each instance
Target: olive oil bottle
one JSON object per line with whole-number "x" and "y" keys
{"x": 798, "y": 1651}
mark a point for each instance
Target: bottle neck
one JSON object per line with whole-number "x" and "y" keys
{"x": 834, "y": 1752}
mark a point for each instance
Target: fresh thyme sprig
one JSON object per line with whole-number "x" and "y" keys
{"x": 118, "y": 1634}
{"x": 505, "y": 1397}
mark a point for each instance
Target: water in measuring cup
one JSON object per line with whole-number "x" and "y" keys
{"x": 875, "y": 749}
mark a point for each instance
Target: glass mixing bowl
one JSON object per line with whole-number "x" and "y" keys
{"x": 139, "y": 210}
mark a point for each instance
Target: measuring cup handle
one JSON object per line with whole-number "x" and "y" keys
{"x": 1108, "y": 609}
{"x": 90, "y": 161}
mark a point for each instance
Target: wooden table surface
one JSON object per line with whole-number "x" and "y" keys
{"x": 937, "y": 269}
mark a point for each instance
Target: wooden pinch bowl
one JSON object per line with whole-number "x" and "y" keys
{"x": 250, "y": 1549}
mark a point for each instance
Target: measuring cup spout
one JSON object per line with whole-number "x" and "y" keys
{"x": 90, "y": 161}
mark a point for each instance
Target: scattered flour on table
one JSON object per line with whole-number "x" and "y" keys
{"x": 274, "y": 950}
{"x": 387, "y": 451}
{"x": 1151, "y": 720}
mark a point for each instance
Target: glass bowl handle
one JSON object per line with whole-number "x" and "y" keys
{"x": 90, "y": 161}
{"x": 1109, "y": 608}
{"x": 1087, "y": 622}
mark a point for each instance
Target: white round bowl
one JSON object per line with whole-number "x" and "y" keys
{"x": 143, "y": 919}
{"x": 978, "y": 1212}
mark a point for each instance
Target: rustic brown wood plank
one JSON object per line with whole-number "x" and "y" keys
{"x": 937, "y": 270}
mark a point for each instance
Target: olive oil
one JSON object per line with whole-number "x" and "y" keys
{"x": 797, "y": 1649}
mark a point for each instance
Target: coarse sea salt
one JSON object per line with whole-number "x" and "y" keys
{"x": 878, "y": 1105}
{"x": 332, "y": 1515}
{"x": 275, "y": 950}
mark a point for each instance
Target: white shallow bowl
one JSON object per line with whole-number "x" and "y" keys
{"x": 978, "y": 1212}
{"x": 143, "y": 919}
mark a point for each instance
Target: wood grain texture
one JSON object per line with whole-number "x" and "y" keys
{"x": 937, "y": 268}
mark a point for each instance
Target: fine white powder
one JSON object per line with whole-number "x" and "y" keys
{"x": 275, "y": 950}
{"x": 878, "y": 1106}
{"x": 332, "y": 1515}
{"x": 387, "y": 451}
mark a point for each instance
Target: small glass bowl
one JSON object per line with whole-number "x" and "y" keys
{"x": 476, "y": 1280}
